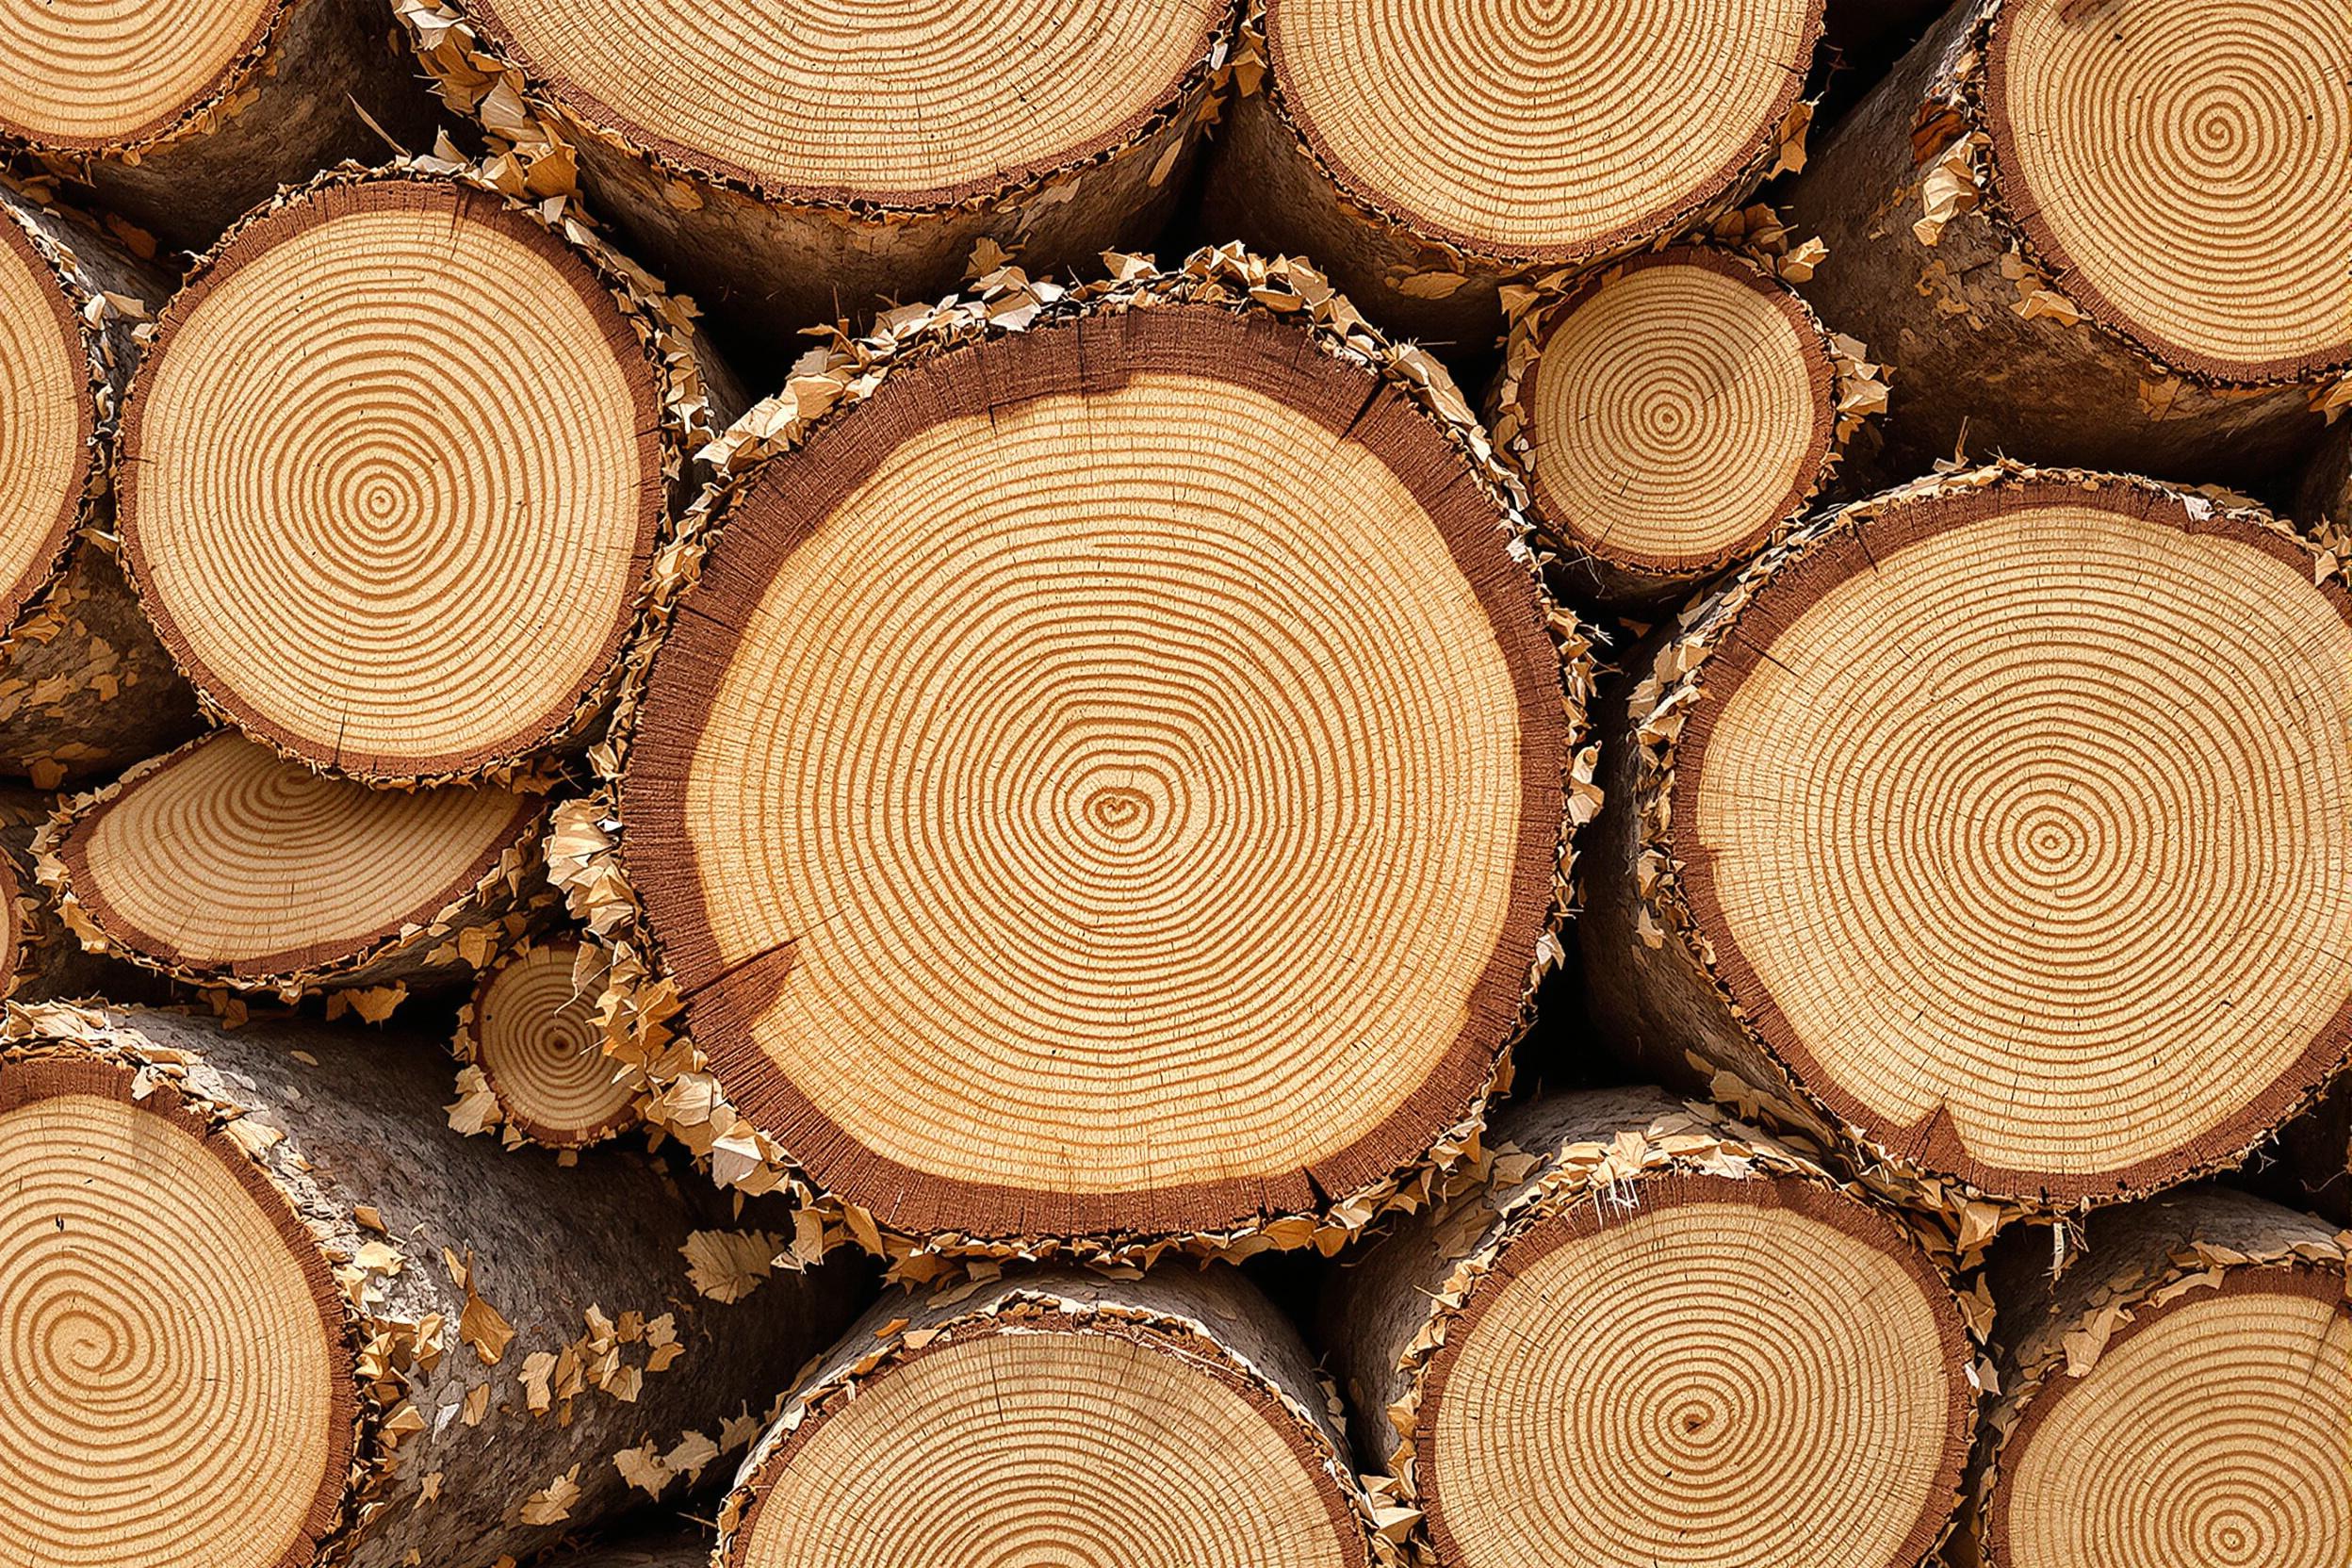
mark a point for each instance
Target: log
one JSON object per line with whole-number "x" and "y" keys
{"x": 530, "y": 1038}
{"x": 1758, "y": 1365}
{"x": 2092, "y": 237}
{"x": 1673, "y": 415}
{"x": 2326, "y": 497}
{"x": 1057, "y": 1417}
{"x": 221, "y": 865}
{"x": 1993, "y": 823}
{"x": 1184, "y": 655}
{"x": 791, "y": 172}
{"x": 84, "y": 685}
{"x": 2182, "y": 1397}
{"x": 1425, "y": 167}
{"x": 398, "y": 466}
{"x": 181, "y": 117}
{"x": 278, "y": 1314}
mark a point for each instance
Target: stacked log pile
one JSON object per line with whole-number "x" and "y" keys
{"x": 791, "y": 787}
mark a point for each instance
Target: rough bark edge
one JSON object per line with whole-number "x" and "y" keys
{"x": 225, "y": 96}
{"x": 1955, "y": 132}
{"x": 1519, "y": 1190}
{"x": 2110, "y": 1311}
{"x": 524, "y": 113}
{"x": 377, "y": 1349}
{"x": 494, "y": 900}
{"x": 1012, "y": 1306}
{"x": 1661, "y": 704}
{"x": 1778, "y": 147}
{"x": 693, "y": 392}
{"x": 640, "y": 1007}
{"x": 482, "y": 1105}
{"x": 1754, "y": 236}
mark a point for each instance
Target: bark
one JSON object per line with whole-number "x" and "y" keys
{"x": 84, "y": 685}
{"x": 555, "y": 1251}
{"x": 2318, "y": 1150}
{"x": 769, "y": 267}
{"x": 302, "y": 105}
{"x": 1968, "y": 366}
{"x": 1213, "y": 1312}
{"x": 2326, "y": 493}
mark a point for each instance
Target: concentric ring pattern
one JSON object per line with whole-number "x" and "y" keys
{"x": 1133, "y": 812}
{"x": 45, "y": 418}
{"x": 1541, "y": 128}
{"x": 1048, "y": 1449}
{"x": 166, "y": 1387}
{"x": 1678, "y": 412}
{"x": 396, "y": 479}
{"x": 2042, "y": 820}
{"x": 536, "y": 1040}
{"x": 91, "y": 73}
{"x": 2217, "y": 1435}
{"x": 1703, "y": 1381}
{"x": 910, "y": 100}
{"x": 2185, "y": 160}
{"x": 228, "y": 857}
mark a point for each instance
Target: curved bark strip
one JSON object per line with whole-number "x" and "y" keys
{"x": 763, "y": 160}
{"x": 2025, "y": 220}
{"x": 437, "y": 1351}
{"x": 1953, "y": 807}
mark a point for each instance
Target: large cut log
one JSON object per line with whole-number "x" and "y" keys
{"x": 397, "y": 467}
{"x": 1111, "y": 780}
{"x": 1655, "y": 1337}
{"x": 263, "y": 1310}
{"x": 1672, "y": 415}
{"x": 531, "y": 1043}
{"x": 793, "y": 170}
{"x": 2181, "y": 1398}
{"x": 220, "y": 864}
{"x": 2000, "y": 821}
{"x": 1057, "y": 1418}
{"x": 2105, "y": 234}
{"x": 181, "y": 114}
{"x": 1424, "y": 163}
{"x": 84, "y": 684}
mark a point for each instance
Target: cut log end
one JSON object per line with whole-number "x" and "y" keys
{"x": 1113, "y": 779}
{"x": 47, "y": 416}
{"x": 1533, "y": 135}
{"x": 1756, "y": 1370}
{"x": 2184, "y": 171}
{"x": 1053, "y": 1438}
{"x": 2217, "y": 1429}
{"x": 80, "y": 81}
{"x": 799, "y": 108}
{"x": 394, "y": 478}
{"x": 175, "y": 1344}
{"x": 1996, "y": 786}
{"x": 220, "y": 861}
{"x": 534, "y": 1036}
{"x": 1675, "y": 414}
